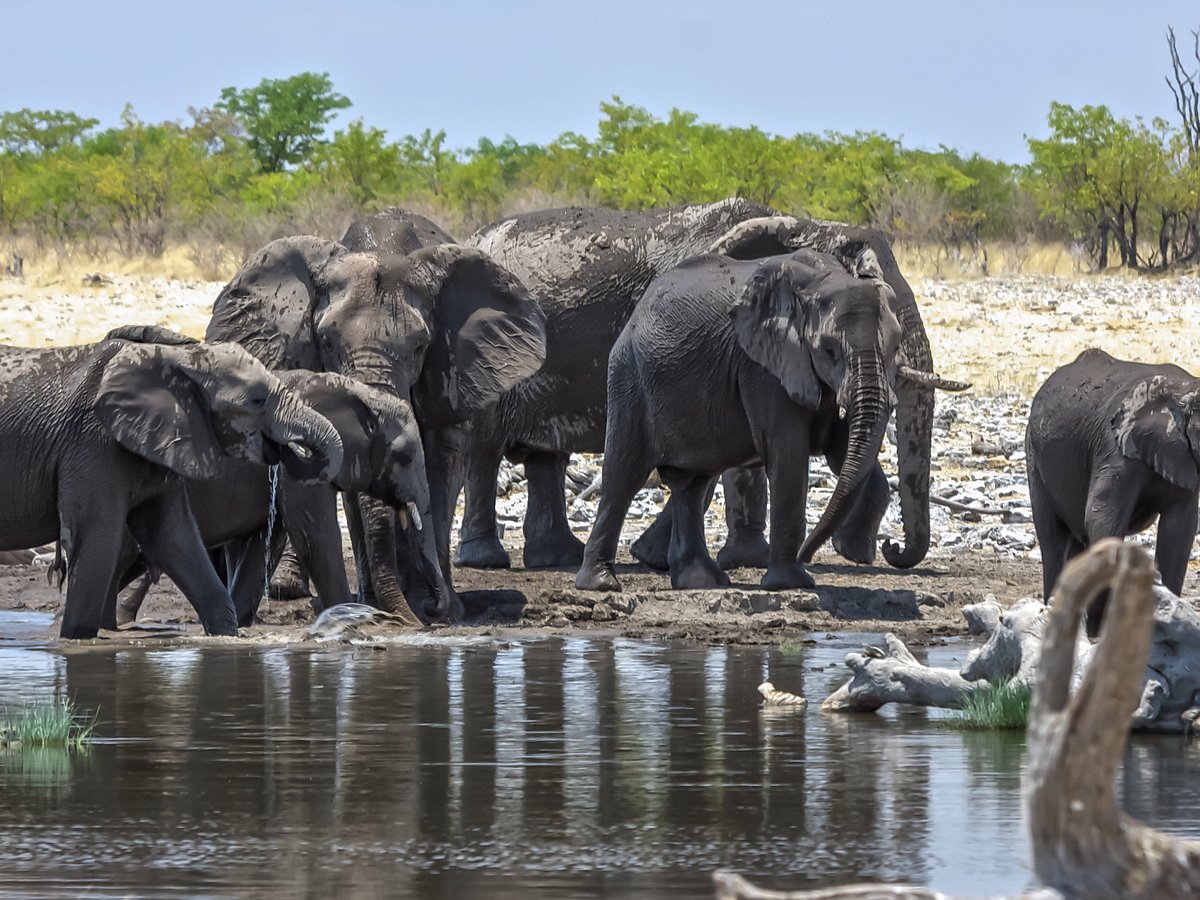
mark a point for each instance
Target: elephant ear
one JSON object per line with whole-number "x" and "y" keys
{"x": 268, "y": 305}
{"x": 487, "y": 334}
{"x": 152, "y": 409}
{"x": 1150, "y": 427}
{"x": 769, "y": 321}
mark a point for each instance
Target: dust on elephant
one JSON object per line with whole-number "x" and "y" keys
{"x": 730, "y": 363}
{"x": 1110, "y": 446}
{"x": 443, "y": 327}
{"x": 588, "y": 268}
{"x": 381, "y": 457}
{"x": 99, "y": 438}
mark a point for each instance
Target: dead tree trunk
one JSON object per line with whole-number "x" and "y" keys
{"x": 1083, "y": 844}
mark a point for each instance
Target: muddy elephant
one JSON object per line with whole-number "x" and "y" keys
{"x": 588, "y": 268}
{"x": 1112, "y": 445}
{"x": 241, "y": 511}
{"x": 100, "y": 438}
{"x": 443, "y": 327}
{"x": 392, "y": 230}
{"x": 728, "y": 363}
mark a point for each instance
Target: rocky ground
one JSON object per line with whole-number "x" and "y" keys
{"x": 1003, "y": 334}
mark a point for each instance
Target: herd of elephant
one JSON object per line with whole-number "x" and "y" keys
{"x": 399, "y": 367}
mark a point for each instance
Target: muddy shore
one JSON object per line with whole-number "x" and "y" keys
{"x": 1004, "y": 334}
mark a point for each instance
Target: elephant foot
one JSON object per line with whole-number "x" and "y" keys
{"x": 598, "y": 576}
{"x": 745, "y": 550}
{"x": 786, "y": 576}
{"x": 651, "y": 548}
{"x": 484, "y": 552}
{"x": 557, "y": 552}
{"x": 125, "y": 616}
{"x": 854, "y": 545}
{"x": 698, "y": 575}
{"x": 288, "y": 583}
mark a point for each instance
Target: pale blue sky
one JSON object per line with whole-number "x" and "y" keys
{"x": 976, "y": 76}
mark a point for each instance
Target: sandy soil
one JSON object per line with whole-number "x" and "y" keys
{"x": 1004, "y": 334}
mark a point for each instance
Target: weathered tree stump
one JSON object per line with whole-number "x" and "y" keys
{"x": 1083, "y": 844}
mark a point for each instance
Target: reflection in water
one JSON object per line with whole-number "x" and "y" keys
{"x": 559, "y": 768}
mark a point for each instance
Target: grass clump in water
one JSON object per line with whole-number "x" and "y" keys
{"x": 1004, "y": 705}
{"x": 56, "y": 724}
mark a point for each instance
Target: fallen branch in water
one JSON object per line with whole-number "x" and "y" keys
{"x": 729, "y": 886}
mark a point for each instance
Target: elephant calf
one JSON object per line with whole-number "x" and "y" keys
{"x": 730, "y": 363}
{"x": 1110, "y": 446}
{"x": 382, "y": 457}
{"x": 99, "y": 438}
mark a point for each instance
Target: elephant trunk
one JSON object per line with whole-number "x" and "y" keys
{"x": 425, "y": 590}
{"x": 309, "y": 446}
{"x": 914, "y": 437}
{"x": 868, "y": 421}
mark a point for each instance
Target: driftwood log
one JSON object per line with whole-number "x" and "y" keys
{"x": 1170, "y": 689}
{"x": 728, "y": 886}
{"x": 1083, "y": 844}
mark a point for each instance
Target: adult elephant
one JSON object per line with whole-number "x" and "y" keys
{"x": 390, "y": 231}
{"x": 588, "y": 268}
{"x": 727, "y": 362}
{"x": 99, "y": 439}
{"x": 1112, "y": 445}
{"x": 443, "y": 327}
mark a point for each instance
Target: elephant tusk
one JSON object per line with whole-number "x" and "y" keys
{"x": 932, "y": 379}
{"x": 300, "y": 450}
{"x": 414, "y": 513}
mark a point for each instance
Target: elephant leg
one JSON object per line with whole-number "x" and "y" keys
{"x": 245, "y": 561}
{"x": 787, "y": 473}
{"x": 479, "y": 545}
{"x": 444, "y": 468}
{"x": 1176, "y": 534}
{"x": 133, "y": 595}
{"x": 691, "y": 566}
{"x": 1108, "y": 513}
{"x": 652, "y": 547}
{"x": 857, "y": 538}
{"x": 167, "y": 533}
{"x": 290, "y": 581}
{"x": 746, "y": 518}
{"x": 1055, "y": 541}
{"x": 363, "y": 590}
{"x": 126, "y": 569}
{"x": 93, "y": 552}
{"x": 310, "y": 512}
{"x": 549, "y": 542}
{"x": 622, "y": 480}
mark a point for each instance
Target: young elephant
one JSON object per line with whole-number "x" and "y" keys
{"x": 1111, "y": 445}
{"x": 382, "y": 457}
{"x": 98, "y": 439}
{"x": 729, "y": 363}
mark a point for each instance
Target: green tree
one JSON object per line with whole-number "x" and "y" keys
{"x": 284, "y": 118}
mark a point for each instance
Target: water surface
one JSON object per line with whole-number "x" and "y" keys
{"x": 556, "y": 768}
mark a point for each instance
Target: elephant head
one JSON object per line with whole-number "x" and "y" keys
{"x": 185, "y": 406}
{"x": 770, "y": 235}
{"x": 393, "y": 230}
{"x": 1159, "y": 423}
{"x": 444, "y": 328}
{"x": 823, "y": 330}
